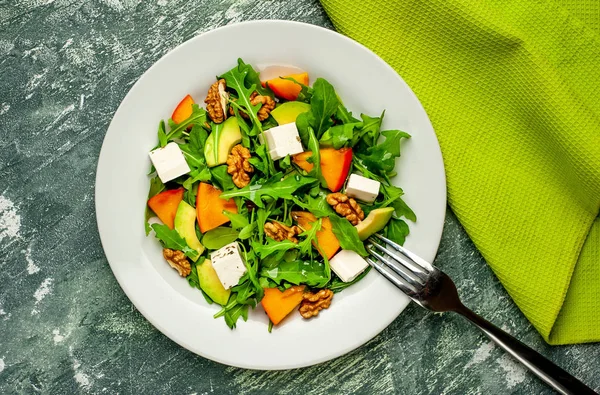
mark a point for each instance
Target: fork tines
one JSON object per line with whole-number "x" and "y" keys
{"x": 403, "y": 268}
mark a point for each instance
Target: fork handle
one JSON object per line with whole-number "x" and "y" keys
{"x": 542, "y": 367}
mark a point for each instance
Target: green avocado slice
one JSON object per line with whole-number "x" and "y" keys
{"x": 289, "y": 111}
{"x": 210, "y": 283}
{"x": 185, "y": 225}
{"x": 220, "y": 142}
{"x": 375, "y": 221}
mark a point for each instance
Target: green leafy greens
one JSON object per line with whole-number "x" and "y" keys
{"x": 277, "y": 190}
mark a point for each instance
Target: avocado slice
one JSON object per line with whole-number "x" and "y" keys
{"x": 210, "y": 283}
{"x": 289, "y": 111}
{"x": 375, "y": 221}
{"x": 220, "y": 142}
{"x": 185, "y": 225}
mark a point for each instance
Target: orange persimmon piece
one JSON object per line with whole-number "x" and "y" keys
{"x": 183, "y": 110}
{"x": 286, "y": 89}
{"x": 279, "y": 304}
{"x": 335, "y": 165}
{"x": 328, "y": 243}
{"x": 210, "y": 206}
{"x": 165, "y": 205}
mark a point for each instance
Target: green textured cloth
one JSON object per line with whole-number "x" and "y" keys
{"x": 512, "y": 88}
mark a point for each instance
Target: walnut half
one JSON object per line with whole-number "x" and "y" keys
{"x": 347, "y": 207}
{"x": 312, "y": 303}
{"x": 178, "y": 261}
{"x": 238, "y": 165}
{"x": 280, "y": 232}
{"x": 216, "y": 101}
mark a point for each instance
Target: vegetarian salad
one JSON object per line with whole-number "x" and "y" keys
{"x": 267, "y": 194}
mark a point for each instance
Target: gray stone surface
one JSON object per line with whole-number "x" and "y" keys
{"x": 66, "y": 326}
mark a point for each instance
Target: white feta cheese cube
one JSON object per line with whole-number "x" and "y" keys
{"x": 283, "y": 140}
{"x": 362, "y": 188}
{"x": 228, "y": 264}
{"x": 169, "y": 162}
{"x": 347, "y": 264}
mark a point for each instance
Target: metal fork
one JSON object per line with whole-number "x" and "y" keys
{"x": 434, "y": 290}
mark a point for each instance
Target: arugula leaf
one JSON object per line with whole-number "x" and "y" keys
{"x": 244, "y": 128}
{"x": 338, "y": 285}
{"x": 339, "y": 136}
{"x": 305, "y": 94}
{"x": 162, "y": 135}
{"x": 238, "y": 221}
{"x": 261, "y": 218}
{"x": 194, "y": 160}
{"x": 397, "y": 230}
{"x": 253, "y": 79}
{"x": 345, "y": 116}
{"x": 232, "y": 311}
{"x": 156, "y": 187}
{"x": 315, "y": 158}
{"x": 273, "y": 247}
{"x": 392, "y": 197}
{"x": 310, "y": 240}
{"x": 219, "y": 237}
{"x": 402, "y": 210}
{"x": 190, "y": 194}
{"x": 198, "y": 137}
{"x": 221, "y": 178}
{"x": 233, "y": 314}
{"x": 251, "y": 263}
{"x": 198, "y": 117}
{"x": 193, "y": 278}
{"x": 381, "y": 158}
{"x": 347, "y": 235}
{"x": 368, "y": 134}
{"x": 302, "y": 124}
{"x": 247, "y": 231}
{"x": 169, "y": 238}
{"x": 266, "y": 282}
{"x": 244, "y": 292}
{"x": 286, "y": 162}
{"x": 317, "y": 205}
{"x": 275, "y": 187}
{"x": 197, "y": 175}
{"x": 323, "y": 104}
{"x": 310, "y": 236}
{"x": 311, "y": 273}
{"x": 260, "y": 162}
{"x": 236, "y": 80}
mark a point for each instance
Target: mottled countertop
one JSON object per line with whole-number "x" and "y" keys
{"x": 65, "y": 325}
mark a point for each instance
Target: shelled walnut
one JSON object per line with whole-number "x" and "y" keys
{"x": 280, "y": 232}
{"x": 313, "y": 303}
{"x": 238, "y": 165}
{"x": 216, "y": 101}
{"x": 346, "y": 207}
{"x": 178, "y": 261}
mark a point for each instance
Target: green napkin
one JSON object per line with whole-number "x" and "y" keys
{"x": 512, "y": 88}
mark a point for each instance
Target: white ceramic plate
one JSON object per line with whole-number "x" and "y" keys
{"x": 366, "y": 84}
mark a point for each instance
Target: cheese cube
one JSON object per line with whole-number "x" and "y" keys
{"x": 362, "y": 188}
{"x": 347, "y": 264}
{"x": 283, "y": 140}
{"x": 228, "y": 264}
{"x": 169, "y": 162}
